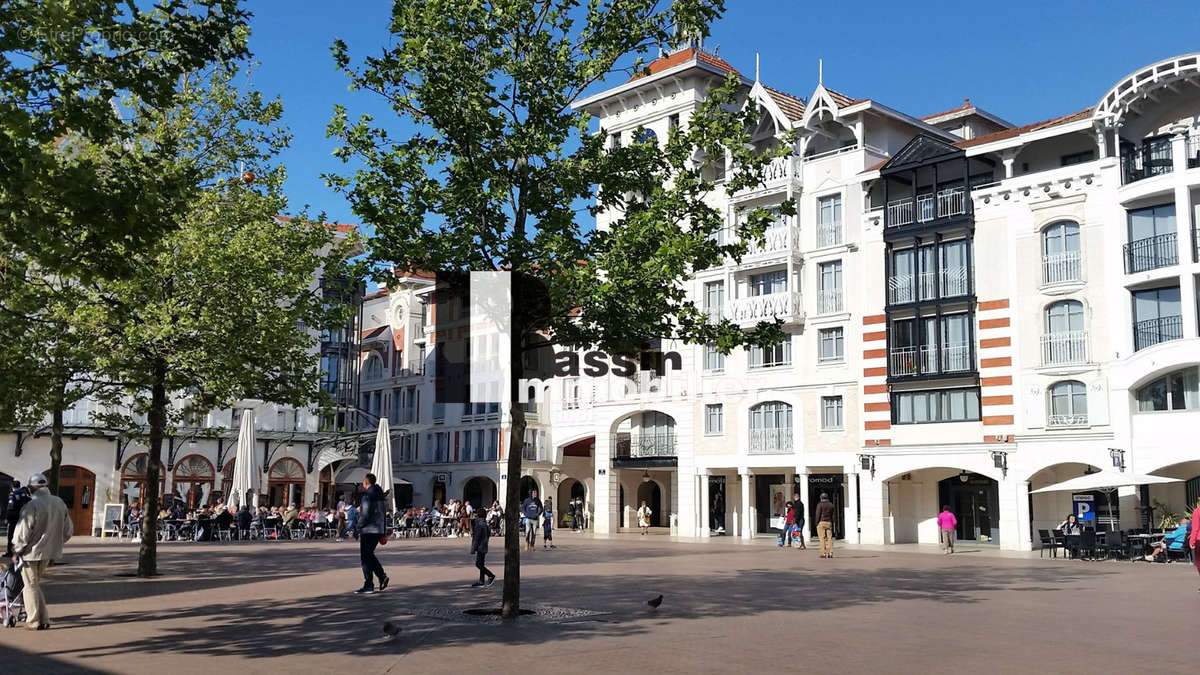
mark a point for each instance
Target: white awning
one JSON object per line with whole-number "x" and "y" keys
{"x": 1105, "y": 480}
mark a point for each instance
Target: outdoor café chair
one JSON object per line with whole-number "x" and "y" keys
{"x": 1087, "y": 543}
{"x": 1048, "y": 543}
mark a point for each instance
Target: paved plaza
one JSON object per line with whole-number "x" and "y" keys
{"x": 729, "y": 607}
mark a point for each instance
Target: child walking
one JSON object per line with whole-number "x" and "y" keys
{"x": 548, "y": 527}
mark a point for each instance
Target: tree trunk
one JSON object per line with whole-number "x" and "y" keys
{"x": 148, "y": 554}
{"x": 511, "y": 605}
{"x": 56, "y": 443}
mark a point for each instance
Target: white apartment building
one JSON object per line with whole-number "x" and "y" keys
{"x": 975, "y": 310}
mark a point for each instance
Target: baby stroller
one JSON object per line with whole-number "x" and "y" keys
{"x": 12, "y": 609}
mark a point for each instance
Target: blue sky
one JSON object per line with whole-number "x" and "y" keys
{"x": 1023, "y": 61}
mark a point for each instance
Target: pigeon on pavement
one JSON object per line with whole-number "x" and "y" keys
{"x": 655, "y": 602}
{"x": 391, "y": 629}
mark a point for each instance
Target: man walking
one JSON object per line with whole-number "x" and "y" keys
{"x": 42, "y": 529}
{"x": 947, "y": 523}
{"x": 17, "y": 499}
{"x": 798, "y": 508}
{"x": 824, "y": 517}
{"x": 372, "y": 526}
{"x": 531, "y": 508}
{"x": 480, "y": 533}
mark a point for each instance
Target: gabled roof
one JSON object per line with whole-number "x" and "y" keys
{"x": 921, "y": 149}
{"x": 374, "y": 332}
{"x": 843, "y": 100}
{"x": 1017, "y": 131}
{"x": 681, "y": 57}
{"x": 790, "y": 105}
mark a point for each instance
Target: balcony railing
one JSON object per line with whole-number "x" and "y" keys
{"x": 750, "y": 310}
{"x": 771, "y": 441}
{"x": 1146, "y": 161}
{"x": 954, "y": 281}
{"x": 1067, "y": 421}
{"x": 775, "y": 240}
{"x": 1151, "y": 253}
{"x": 905, "y": 288}
{"x": 1153, "y": 331}
{"x": 926, "y": 360}
{"x": 927, "y": 207}
{"x": 901, "y": 289}
{"x": 643, "y": 445}
{"x": 829, "y": 300}
{"x": 1193, "y": 151}
{"x": 1065, "y": 348}
{"x": 829, "y": 234}
{"x": 1062, "y": 268}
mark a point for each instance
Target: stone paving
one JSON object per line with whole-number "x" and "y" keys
{"x": 729, "y": 607}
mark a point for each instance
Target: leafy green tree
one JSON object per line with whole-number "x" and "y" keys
{"x": 226, "y": 306}
{"x": 500, "y": 164}
{"x": 64, "y": 64}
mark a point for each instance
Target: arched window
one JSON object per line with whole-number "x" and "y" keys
{"x": 194, "y": 481}
{"x": 133, "y": 479}
{"x": 285, "y": 483}
{"x": 1064, "y": 340}
{"x": 373, "y": 370}
{"x": 1061, "y": 261}
{"x": 1068, "y": 404}
{"x": 1179, "y": 390}
{"x": 771, "y": 427}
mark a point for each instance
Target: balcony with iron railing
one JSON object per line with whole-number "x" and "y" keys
{"x": 775, "y": 441}
{"x": 927, "y": 207}
{"x": 829, "y": 234}
{"x": 777, "y": 175}
{"x": 1062, "y": 268}
{"x": 1064, "y": 348}
{"x": 913, "y": 361}
{"x": 1057, "y": 421}
{"x": 952, "y": 282}
{"x": 785, "y": 305}
{"x": 1151, "y": 253}
{"x": 1145, "y": 161}
{"x": 639, "y": 445}
{"x": 778, "y": 241}
{"x": 829, "y": 300}
{"x": 1154, "y": 331}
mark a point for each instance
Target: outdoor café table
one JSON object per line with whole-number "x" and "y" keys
{"x": 1139, "y": 542}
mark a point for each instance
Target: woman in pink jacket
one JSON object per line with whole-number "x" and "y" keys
{"x": 947, "y": 523}
{"x": 1194, "y": 537}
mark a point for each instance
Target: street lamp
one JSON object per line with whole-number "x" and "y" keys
{"x": 867, "y": 462}
{"x": 645, "y": 476}
{"x": 1118, "y": 458}
{"x": 1000, "y": 461}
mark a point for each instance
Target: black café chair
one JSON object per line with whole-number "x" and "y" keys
{"x": 1087, "y": 543}
{"x": 1048, "y": 543}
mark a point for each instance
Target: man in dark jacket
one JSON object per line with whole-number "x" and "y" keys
{"x": 531, "y": 508}
{"x": 480, "y": 532}
{"x": 372, "y": 525}
{"x": 824, "y": 518}
{"x": 18, "y": 498}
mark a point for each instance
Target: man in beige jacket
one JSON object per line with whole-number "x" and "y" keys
{"x": 41, "y": 531}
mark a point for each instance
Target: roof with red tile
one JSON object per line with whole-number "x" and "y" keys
{"x": 964, "y": 107}
{"x": 681, "y": 57}
{"x": 841, "y": 99}
{"x": 1017, "y": 131}
{"x": 375, "y": 294}
{"x": 791, "y": 106}
{"x": 373, "y": 333}
{"x": 340, "y": 227}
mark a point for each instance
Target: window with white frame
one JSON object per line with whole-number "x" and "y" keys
{"x": 829, "y": 287}
{"x": 829, "y": 220}
{"x": 770, "y": 357}
{"x": 1179, "y": 390}
{"x": 831, "y": 344}
{"x": 768, "y": 283}
{"x": 831, "y": 412}
{"x": 714, "y": 299}
{"x": 771, "y": 427}
{"x": 714, "y": 419}
{"x": 1068, "y": 404}
{"x": 1060, "y": 253}
{"x": 468, "y": 453}
{"x": 714, "y": 360}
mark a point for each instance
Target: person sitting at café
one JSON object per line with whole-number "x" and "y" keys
{"x": 223, "y": 519}
{"x": 244, "y": 519}
{"x": 1173, "y": 541}
{"x": 1071, "y": 529}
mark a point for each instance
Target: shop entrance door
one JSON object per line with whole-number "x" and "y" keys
{"x": 830, "y": 484}
{"x": 77, "y": 488}
{"x": 975, "y": 501}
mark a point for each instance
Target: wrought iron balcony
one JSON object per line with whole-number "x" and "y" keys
{"x": 643, "y": 445}
{"x": 927, "y": 207}
{"x": 1064, "y": 348}
{"x": 906, "y": 288}
{"x": 777, "y": 175}
{"x": 1145, "y": 161}
{"x": 1066, "y": 421}
{"x": 829, "y": 234}
{"x": 771, "y": 441}
{"x": 780, "y": 241}
{"x": 829, "y": 300}
{"x": 1153, "y": 331}
{"x": 912, "y": 361}
{"x": 1062, "y": 268}
{"x": 1151, "y": 253}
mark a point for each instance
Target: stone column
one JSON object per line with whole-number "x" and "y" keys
{"x": 605, "y": 518}
{"x": 747, "y": 518}
{"x": 1024, "y": 528}
{"x": 705, "y": 517}
{"x": 800, "y": 485}
{"x": 851, "y": 517}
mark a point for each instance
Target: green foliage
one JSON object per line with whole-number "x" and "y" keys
{"x": 64, "y": 66}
